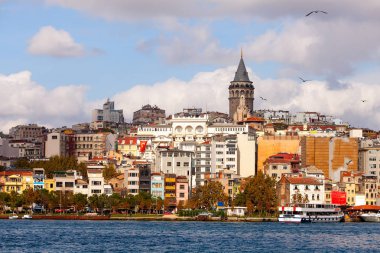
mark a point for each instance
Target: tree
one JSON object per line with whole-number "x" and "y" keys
{"x": 15, "y": 201}
{"x": 43, "y": 198}
{"x": 79, "y": 201}
{"x": 109, "y": 172}
{"x": 207, "y": 196}
{"x": 261, "y": 192}
{"x": 114, "y": 201}
{"x": 29, "y": 197}
{"x": 4, "y": 199}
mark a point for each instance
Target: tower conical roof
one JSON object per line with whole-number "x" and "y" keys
{"x": 241, "y": 74}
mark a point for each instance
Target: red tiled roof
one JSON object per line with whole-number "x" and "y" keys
{"x": 254, "y": 119}
{"x": 364, "y": 207}
{"x": 303, "y": 180}
{"x": 94, "y": 170}
{"x": 283, "y": 158}
{"x": 15, "y": 172}
{"x": 127, "y": 141}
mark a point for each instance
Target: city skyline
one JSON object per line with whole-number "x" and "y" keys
{"x": 65, "y": 58}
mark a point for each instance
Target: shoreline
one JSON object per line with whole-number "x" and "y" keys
{"x": 147, "y": 218}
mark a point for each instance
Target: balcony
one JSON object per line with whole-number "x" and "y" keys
{"x": 169, "y": 187}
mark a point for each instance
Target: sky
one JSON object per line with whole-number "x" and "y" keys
{"x": 59, "y": 59}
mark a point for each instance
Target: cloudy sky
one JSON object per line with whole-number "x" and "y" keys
{"x": 61, "y": 58}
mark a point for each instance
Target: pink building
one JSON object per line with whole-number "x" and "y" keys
{"x": 182, "y": 189}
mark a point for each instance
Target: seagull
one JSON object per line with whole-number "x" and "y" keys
{"x": 325, "y": 12}
{"x": 263, "y": 98}
{"x": 303, "y": 80}
{"x": 363, "y": 100}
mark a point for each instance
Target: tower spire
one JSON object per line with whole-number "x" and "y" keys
{"x": 241, "y": 53}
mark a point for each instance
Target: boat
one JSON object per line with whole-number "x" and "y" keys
{"x": 301, "y": 213}
{"x": 370, "y": 217}
{"x": 27, "y": 216}
{"x": 13, "y": 217}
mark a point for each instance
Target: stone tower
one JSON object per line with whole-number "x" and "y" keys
{"x": 241, "y": 86}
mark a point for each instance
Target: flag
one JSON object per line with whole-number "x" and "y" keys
{"x": 142, "y": 146}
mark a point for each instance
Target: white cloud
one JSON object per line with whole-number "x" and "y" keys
{"x": 238, "y": 9}
{"x": 319, "y": 45}
{"x": 53, "y": 42}
{"x": 25, "y": 101}
{"x": 210, "y": 89}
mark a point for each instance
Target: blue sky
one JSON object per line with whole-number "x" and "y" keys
{"x": 184, "y": 53}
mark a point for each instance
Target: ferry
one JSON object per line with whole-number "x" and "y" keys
{"x": 300, "y": 213}
{"x": 370, "y": 217}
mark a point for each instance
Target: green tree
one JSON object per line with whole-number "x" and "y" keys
{"x": 79, "y": 201}
{"x": 207, "y": 196}
{"x": 114, "y": 202}
{"x": 15, "y": 201}
{"x": 4, "y": 199}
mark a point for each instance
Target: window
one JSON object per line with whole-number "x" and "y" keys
{"x": 185, "y": 164}
{"x": 84, "y": 186}
{"x": 274, "y": 167}
{"x": 96, "y": 182}
{"x": 69, "y": 184}
{"x": 54, "y": 137}
{"x": 96, "y": 191}
{"x": 178, "y": 164}
{"x": 274, "y": 175}
{"x": 182, "y": 187}
{"x": 182, "y": 195}
{"x": 168, "y": 164}
{"x": 58, "y": 184}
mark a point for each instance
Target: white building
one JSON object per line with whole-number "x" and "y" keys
{"x": 369, "y": 157}
{"x": 224, "y": 153}
{"x": 95, "y": 181}
{"x": 108, "y": 113}
{"x": 310, "y": 189}
{"x": 246, "y": 155}
{"x": 132, "y": 180}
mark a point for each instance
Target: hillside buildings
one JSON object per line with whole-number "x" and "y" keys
{"x": 149, "y": 115}
{"x": 108, "y": 113}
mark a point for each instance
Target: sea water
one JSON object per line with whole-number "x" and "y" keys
{"x": 185, "y": 236}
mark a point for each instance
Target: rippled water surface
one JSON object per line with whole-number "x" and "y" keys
{"x": 141, "y": 236}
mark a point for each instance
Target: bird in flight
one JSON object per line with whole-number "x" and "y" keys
{"x": 363, "y": 100}
{"x": 303, "y": 80}
{"x": 263, "y": 98}
{"x": 325, "y": 12}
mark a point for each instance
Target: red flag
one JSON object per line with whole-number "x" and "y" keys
{"x": 142, "y": 146}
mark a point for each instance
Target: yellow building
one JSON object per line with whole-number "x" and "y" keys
{"x": 271, "y": 145}
{"x": 49, "y": 184}
{"x": 127, "y": 146}
{"x": 330, "y": 154}
{"x": 17, "y": 181}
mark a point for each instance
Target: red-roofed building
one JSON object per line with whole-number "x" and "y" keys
{"x": 309, "y": 189}
{"x": 281, "y": 163}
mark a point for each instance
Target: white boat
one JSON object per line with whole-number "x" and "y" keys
{"x": 27, "y": 216}
{"x": 13, "y": 217}
{"x": 310, "y": 213}
{"x": 370, "y": 217}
